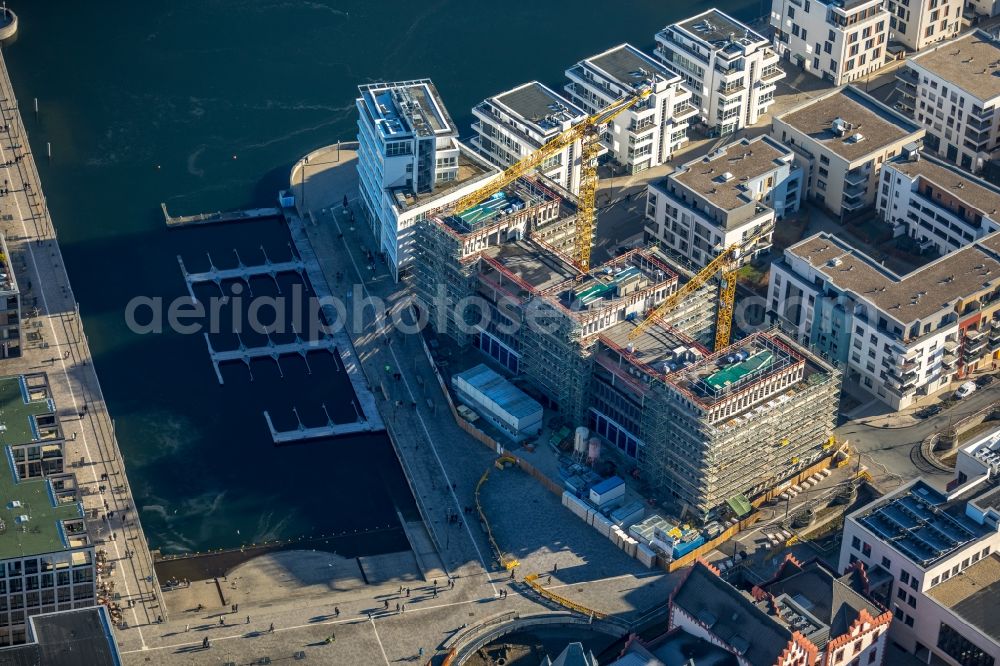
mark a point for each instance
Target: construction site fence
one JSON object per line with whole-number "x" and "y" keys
{"x": 484, "y": 438}
{"x": 709, "y": 546}
{"x": 532, "y": 581}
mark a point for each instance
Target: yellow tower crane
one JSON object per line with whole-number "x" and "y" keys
{"x": 727, "y": 263}
{"x": 587, "y": 132}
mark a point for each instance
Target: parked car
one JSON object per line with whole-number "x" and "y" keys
{"x": 965, "y": 390}
{"x": 929, "y": 411}
{"x": 985, "y": 380}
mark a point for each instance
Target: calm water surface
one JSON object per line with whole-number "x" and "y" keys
{"x": 204, "y": 105}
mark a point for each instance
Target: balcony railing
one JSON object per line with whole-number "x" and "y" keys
{"x": 856, "y": 177}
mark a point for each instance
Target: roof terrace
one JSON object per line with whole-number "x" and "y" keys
{"x": 24, "y": 399}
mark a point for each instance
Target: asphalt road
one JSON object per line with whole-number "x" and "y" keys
{"x": 889, "y": 452}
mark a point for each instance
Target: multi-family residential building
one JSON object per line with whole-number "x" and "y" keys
{"x": 835, "y": 612}
{"x": 939, "y": 206}
{"x": 723, "y": 198}
{"x": 900, "y": 337}
{"x": 10, "y": 306}
{"x": 514, "y": 124}
{"x": 841, "y": 139}
{"x": 920, "y": 23}
{"x": 932, "y": 552}
{"x": 983, "y": 8}
{"x": 835, "y": 40}
{"x": 953, "y": 91}
{"x": 648, "y": 133}
{"x": 47, "y": 562}
{"x": 410, "y": 162}
{"x": 731, "y": 69}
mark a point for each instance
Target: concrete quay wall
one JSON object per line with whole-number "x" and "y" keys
{"x": 63, "y": 351}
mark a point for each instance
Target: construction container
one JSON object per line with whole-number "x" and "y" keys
{"x": 606, "y": 491}
{"x": 576, "y": 485}
{"x": 682, "y": 548}
{"x": 628, "y": 514}
{"x": 499, "y": 402}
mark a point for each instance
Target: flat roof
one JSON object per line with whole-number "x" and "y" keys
{"x": 660, "y": 347}
{"x": 19, "y": 405}
{"x": 539, "y": 105}
{"x": 861, "y": 114}
{"x": 505, "y": 395}
{"x": 531, "y": 263}
{"x": 628, "y": 65}
{"x": 973, "y": 595}
{"x": 42, "y": 531}
{"x": 721, "y": 176}
{"x": 718, "y": 28}
{"x": 969, "y": 62}
{"x": 404, "y": 107}
{"x": 975, "y": 192}
{"x": 66, "y": 638}
{"x": 914, "y": 296}
{"x": 920, "y": 523}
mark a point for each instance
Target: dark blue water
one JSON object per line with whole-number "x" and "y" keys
{"x": 204, "y": 105}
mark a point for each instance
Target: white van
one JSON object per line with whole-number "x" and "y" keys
{"x": 965, "y": 390}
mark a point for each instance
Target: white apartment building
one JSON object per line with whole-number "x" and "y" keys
{"x": 920, "y": 23}
{"x": 512, "y": 125}
{"x": 842, "y": 138}
{"x": 983, "y": 8}
{"x": 900, "y": 336}
{"x": 954, "y": 92}
{"x": 936, "y": 204}
{"x": 410, "y": 162}
{"x": 713, "y": 202}
{"x": 834, "y": 40}
{"x": 932, "y": 552}
{"x": 650, "y": 132}
{"x": 731, "y": 69}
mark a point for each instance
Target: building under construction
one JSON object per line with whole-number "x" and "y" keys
{"x": 701, "y": 427}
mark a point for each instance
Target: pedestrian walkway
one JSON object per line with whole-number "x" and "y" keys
{"x": 62, "y": 351}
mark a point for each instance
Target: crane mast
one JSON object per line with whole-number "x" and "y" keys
{"x": 726, "y": 263}
{"x": 588, "y": 133}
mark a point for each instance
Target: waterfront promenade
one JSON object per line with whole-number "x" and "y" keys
{"x": 51, "y": 315}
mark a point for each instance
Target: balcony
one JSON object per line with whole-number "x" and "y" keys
{"x": 856, "y": 177}
{"x": 907, "y": 77}
{"x": 907, "y": 365}
{"x": 904, "y": 379}
{"x": 684, "y": 111}
{"x": 771, "y": 75}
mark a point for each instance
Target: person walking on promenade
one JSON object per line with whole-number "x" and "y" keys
{"x": 336, "y": 611}
{"x": 270, "y": 629}
{"x": 248, "y": 619}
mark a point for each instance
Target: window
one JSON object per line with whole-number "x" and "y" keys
{"x": 935, "y": 580}
{"x": 911, "y": 601}
{"x": 872, "y": 655}
{"x": 908, "y": 620}
{"x": 914, "y": 583}
{"x": 866, "y": 549}
{"x": 901, "y": 594}
{"x": 904, "y": 576}
{"x": 791, "y": 12}
{"x": 962, "y": 649}
{"x": 886, "y": 562}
